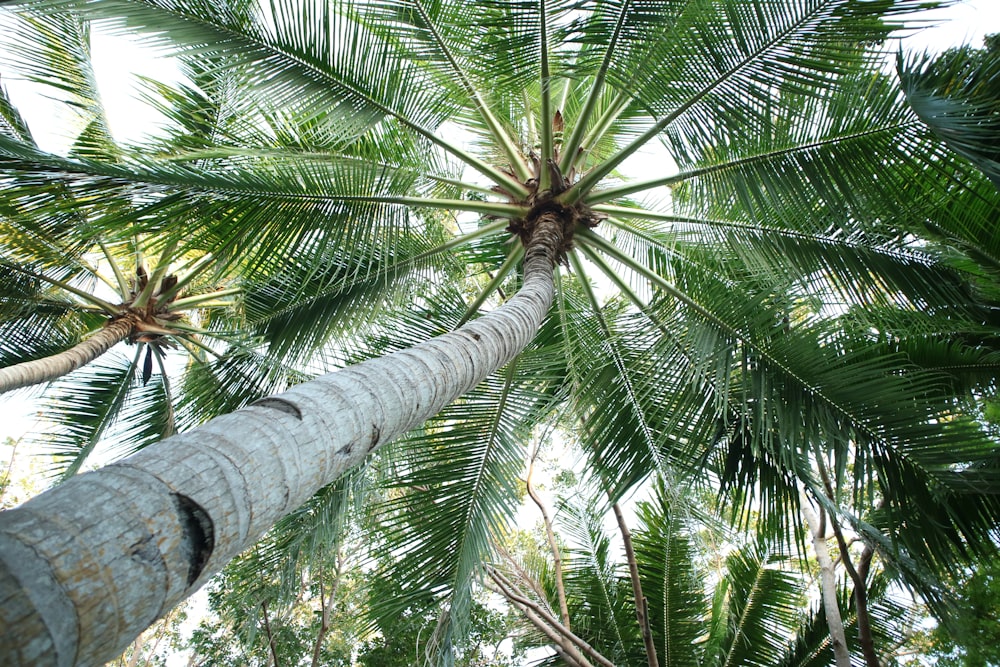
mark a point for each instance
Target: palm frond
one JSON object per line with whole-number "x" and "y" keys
{"x": 600, "y": 598}
{"x": 12, "y": 123}
{"x": 54, "y": 50}
{"x": 957, "y": 95}
{"x": 763, "y": 603}
{"x": 84, "y": 407}
{"x": 678, "y": 604}
{"x": 229, "y": 382}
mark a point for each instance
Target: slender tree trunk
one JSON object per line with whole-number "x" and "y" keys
{"x": 828, "y": 587}
{"x": 641, "y": 604}
{"x": 858, "y": 575}
{"x": 270, "y": 637}
{"x": 89, "y": 564}
{"x": 51, "y": 368}
{"x": 326, "y": 604}
{"x": 553, "y": 546}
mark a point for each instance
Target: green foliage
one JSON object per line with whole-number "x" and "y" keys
{"x": 971, "y": 635}
{"x": 805, "y": 272}
{"x": 958, "y": 95}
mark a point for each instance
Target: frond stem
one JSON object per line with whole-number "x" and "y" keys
{"x": 202, "y": 299}
{"x": 575, "y": 140}
{"x": 502, "y": 138}
{"x": 196, "y": 268}
{"x": 583, "y": 187}
{"x": 123, "y": 286}
{"x": 509, "y": 264}
{"x": 156, "y": 279}
{"x": 545, "y": 176}
{"x": 103, "y": 305}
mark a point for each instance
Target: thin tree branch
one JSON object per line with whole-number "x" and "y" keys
{"x": 270, "y": 637}
{"x": 136, "y": 650}
{"x": 553, "y": 545}
{"x": 531, "y": 582}
{"x": 8, "y": 479}
{"x": 562, "y": 646}
{"x": 859, "y": 576}
{"x": 865, "y": 637}
{"x": 641, "y": 605}
{"x": 546, "y": 623}
{"x": 510, "y": 591}
{"x": 326, "y": 603}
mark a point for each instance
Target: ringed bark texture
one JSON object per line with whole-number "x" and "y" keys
{"x": 54, "y": 367}
{"x": 85, "y": 567}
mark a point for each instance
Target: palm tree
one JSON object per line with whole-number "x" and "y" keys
{"x": 758, "y": 275}
{"x": 75, "y": 291}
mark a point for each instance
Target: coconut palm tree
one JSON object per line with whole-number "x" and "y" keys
{"x": 753, "y": 293}
{"x": 74, "y": 291}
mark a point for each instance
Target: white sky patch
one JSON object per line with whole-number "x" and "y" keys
{"x": 119, "y": 62}
{"x": 948, "y": 27}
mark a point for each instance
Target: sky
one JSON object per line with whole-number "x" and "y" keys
{"x": 117, "y": 62}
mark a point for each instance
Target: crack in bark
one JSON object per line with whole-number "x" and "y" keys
{"x": 279, "y": 404}
{"x": 197, "y": 535}
{"x": 145, "y": 550}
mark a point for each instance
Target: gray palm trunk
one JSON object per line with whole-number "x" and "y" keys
{"x": 55, "y": 366}
{"x": 86, "y": 566}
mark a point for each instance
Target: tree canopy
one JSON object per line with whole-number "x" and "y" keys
{"x": 797, "y": 295}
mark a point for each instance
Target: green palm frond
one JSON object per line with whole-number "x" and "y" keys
{"x": 808, "y": 274}
{"x": 762, "y": 607}
{"x": 229, "y": 382}
{"x": 84, "y": 408}
{"x": 600, "y": 600}
{"x": 678, "y": 603}
{"x": 35, "y": 321}
{"x": 701, "y": 92}
{"x": 53, "y": 50}
{"x": 957, "y": 95}
{"x": 336, "y": 290}
{"x": 286, "y": 52}
{"x": 12, "y": 123}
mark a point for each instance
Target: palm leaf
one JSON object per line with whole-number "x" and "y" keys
{"x": 957, "y": 96}
{"x": 678, "y": 605}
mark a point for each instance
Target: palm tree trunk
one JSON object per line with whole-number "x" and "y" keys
{"x": 88, "y": 565}
{"x": 53, "y": 367}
